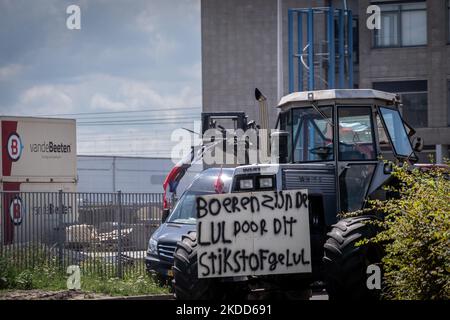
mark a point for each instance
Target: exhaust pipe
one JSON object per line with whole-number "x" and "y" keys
{"x": 263, "y": 119}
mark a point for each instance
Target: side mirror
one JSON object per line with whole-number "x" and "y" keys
{"x": 417, "y": 144}
{"x": 165, "y": 215}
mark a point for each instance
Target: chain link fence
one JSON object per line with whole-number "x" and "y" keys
{"x": 105, "y": 233}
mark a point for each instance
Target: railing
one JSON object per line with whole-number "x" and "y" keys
{"x": 100, "y": 232}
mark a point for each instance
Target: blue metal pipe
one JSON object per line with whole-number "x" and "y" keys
{"x": 331, "y": 49}
{"x": 300, "y": 50}
{"x": 341, "y": 49}
{"x": 350, "y": 49}
{"x": 337, "y": 77}
{"x": 291, "y": 51}
{"x": 311, "y": 49}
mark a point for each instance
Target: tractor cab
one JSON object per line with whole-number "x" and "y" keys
{"x": 343, "y": 127}
{"x": 339, "y": 139}
{"x": 333, "y": 143}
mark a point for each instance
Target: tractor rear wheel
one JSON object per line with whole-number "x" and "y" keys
{"x": 346, "y": 264}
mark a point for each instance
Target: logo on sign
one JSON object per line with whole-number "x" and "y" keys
{"x": 15, "y": 211}
{"x": 14, "y": 146}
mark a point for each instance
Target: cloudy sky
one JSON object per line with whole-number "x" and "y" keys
{"x": 130, "y": 76}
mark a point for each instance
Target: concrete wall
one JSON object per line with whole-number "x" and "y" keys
{"x": 238, "y": 54}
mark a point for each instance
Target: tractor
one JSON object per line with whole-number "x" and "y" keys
{"x": 332, "y": 143}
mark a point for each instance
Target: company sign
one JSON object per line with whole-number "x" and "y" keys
{"x": 38, "y": 149}
{"x": 16, "y": 210}
{"x": 14, "y": 146}
{"x": 50, "y": 147}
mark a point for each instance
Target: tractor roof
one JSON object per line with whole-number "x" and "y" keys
{"x": 338, "y": 95}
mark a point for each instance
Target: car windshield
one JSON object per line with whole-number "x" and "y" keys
{"x": 184, "y": 211}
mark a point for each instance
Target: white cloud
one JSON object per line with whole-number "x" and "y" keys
{"x": 135, "y": 95}
{"x": 45, "y": 99}
{"x": 101, "y": 102}
{"x": 10, "y": 71}
{"x": 139, "y": 95}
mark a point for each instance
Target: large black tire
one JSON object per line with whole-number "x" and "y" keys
{"x": 186, "y": 284}
{"x": 345, "y": 264}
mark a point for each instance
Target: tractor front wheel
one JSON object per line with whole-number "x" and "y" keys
{"x": 187, "y": 285}
{"x": 346, "y": 263}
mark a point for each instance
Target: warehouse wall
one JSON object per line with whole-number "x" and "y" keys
{"x": 127, "y": 174}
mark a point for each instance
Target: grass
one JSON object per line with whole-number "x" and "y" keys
{"x": 45, "y": 274}
{"x": 128, "y": 286}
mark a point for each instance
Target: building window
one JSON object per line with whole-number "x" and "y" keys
{"x": 414, "y": 99}
{"x": 448, "y": 19}
{"x": 402, "y": 25}
{"x": 356, "y": 40}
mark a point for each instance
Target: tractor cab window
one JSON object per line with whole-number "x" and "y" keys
{"x": 284, "y": 123}
{"x": 386, "y": 150}
{"x": 312, "y": 134}
{"x": 356, "y": 139}
{"x": 397, "y": 132}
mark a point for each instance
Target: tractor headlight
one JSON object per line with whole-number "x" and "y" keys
{"x": 152, "y": 246}
{"x": 265, "y": 182}
{"x": 246, "y": 184}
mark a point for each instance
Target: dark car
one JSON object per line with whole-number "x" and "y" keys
{"x": 181, "y": 220}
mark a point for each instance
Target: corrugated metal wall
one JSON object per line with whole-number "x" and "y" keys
{"x": 127, "y": 174}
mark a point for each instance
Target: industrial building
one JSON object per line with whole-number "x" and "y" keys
{"x": 265, "y": 44}
{"x": 126, "y": 174}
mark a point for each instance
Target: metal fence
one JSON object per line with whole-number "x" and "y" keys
{"x": 105, "y": 233}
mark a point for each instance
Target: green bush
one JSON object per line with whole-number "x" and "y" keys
{"x": 24, "y": 280}
{"x": 6, "y": 273}
{"x": 416, "y": 235}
